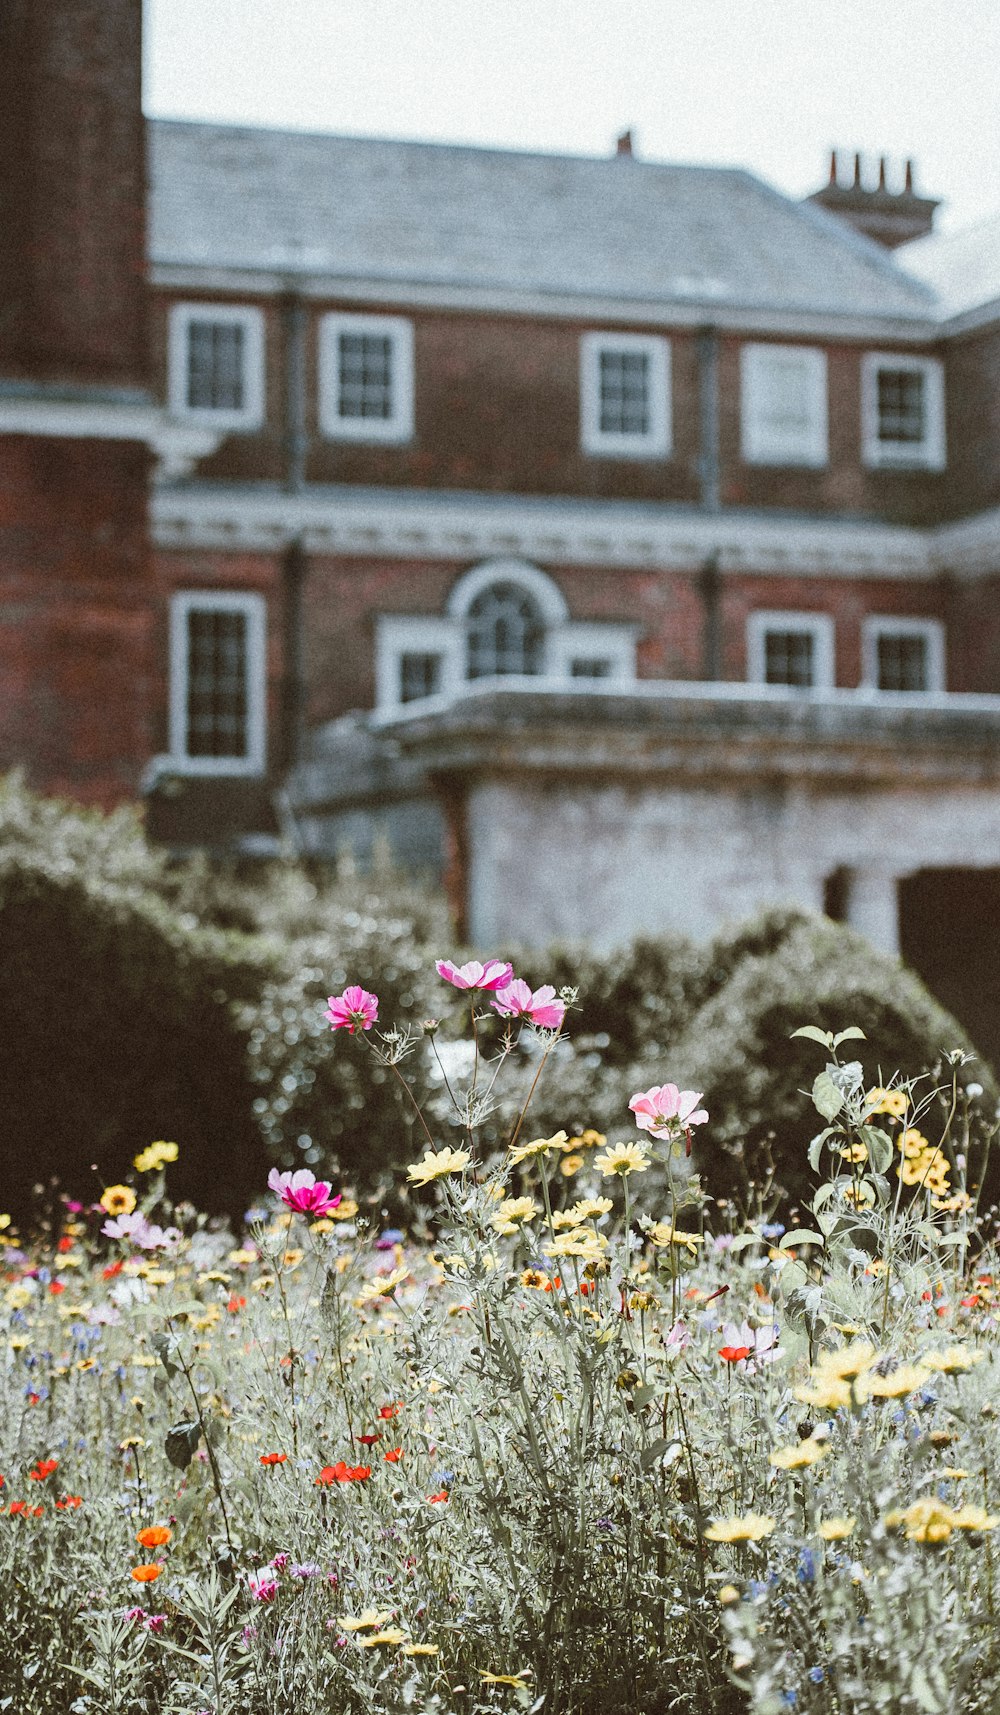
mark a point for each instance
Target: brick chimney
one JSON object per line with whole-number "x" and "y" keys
{"x": 72, "y": 191}
{"x": 891, "y": 217}
{"x": 624, "y": 145}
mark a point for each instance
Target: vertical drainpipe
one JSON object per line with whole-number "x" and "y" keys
{"x": 709, "y": 582}
{"x": 295, "y": 560}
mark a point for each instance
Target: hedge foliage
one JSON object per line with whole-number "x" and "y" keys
{"x": 146, "y": 999}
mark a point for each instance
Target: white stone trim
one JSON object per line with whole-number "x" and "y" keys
{"x": 892, "y": 625}
{"x": 928, "y": 454}
{"x": 601, "y": 443}
{"x": 545, "y": 591}
{"x": 819, "y": 626}
{"x": 177, "y": 446}
{"x": 970, "y": 547}
{"x": 229, "y": 601}
{"x": 251, "y": 319}
{"x": 417, "y": 526}
{"x": 761, "y": 441}
{"x": 688, "y": 310}
{"x": 594, "y": 640}
{"x": 394, "y": 430}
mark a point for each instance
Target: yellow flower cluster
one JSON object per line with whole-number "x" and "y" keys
{"x": 922, "y": 1163}
{"x": 930, "y": 1521}
{"x": 891, "y": 1102}
{"x": 155, "y": 1156}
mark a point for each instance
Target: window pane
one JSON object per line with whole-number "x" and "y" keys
{"x": 624, "y": 393}
{"x": 217, "y": 684}
{"x": 789, "y": 658}
{"x": 215, "y": 366}
{"x": 784, "y": 395}
{"x": 506, "y": 633}
{"x": 901, "y": 406}
{"x": 589, "y": 667}
{"x": 419, "y": 676}
{"x": 364, "y": 375}
{"x": 902, "y": 663}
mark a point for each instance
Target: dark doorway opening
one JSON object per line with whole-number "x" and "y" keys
{"x": 949, "y": 929}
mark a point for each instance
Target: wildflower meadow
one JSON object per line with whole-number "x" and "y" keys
{"x": 551, "y": 1429}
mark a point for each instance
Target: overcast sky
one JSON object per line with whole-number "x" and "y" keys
{"x": 767, "y": 84}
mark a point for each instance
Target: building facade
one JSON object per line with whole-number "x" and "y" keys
{"x": 621, "y": 540}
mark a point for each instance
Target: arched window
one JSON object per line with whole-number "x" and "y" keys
{"x": 506, "y": 632}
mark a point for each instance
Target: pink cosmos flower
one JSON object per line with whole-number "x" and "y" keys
{"x": 759, "y": 1345}
{"x": 542, "y": 1008}
{"x": 493, "y": 975}
{"x": 261, "y": 1587}
{"x": 303, "y": 1192}
{"x": 666, "y": 1111}
{"x": 353, "y": 1010}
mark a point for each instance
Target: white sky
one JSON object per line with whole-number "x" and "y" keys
{"x": 767, "y": 84}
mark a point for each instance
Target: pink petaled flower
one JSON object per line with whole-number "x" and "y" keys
{"x": 666, "y": 1111}
{"x": 493, "y": 975}
{"x": 261, "y": 1587}
{"x": 542, "y": 1008}
{"x": 303, "y": 1192}
{"x": 155, "y": 1623}
{"x": 353, "y": 1010}
{"x": 750, "y": 1346}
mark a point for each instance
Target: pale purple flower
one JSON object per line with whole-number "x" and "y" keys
{"x": 306, "y": 1571}
{"x": 303, "y": 1192}
{"x": 542, "y": 1008}
{"x": 353, "y": 1010}
{"x": 678, "y": 1337}
{"x": 493, "y": 975}
{"x": 138, "y": 1231}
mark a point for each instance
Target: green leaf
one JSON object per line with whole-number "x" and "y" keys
{"x": 879, "y": 1145}
{"x": 651, "y": 1454}
{"x": 827, "y": 1099}
{"x": 181, "y": 1444}
{"x": 801, "y": 1236}
{"x": 816, "y": 1146}
{"x": 815, "y": 1034}
{"x": 851, "y": 1034}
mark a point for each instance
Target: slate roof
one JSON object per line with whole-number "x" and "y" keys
{"x": 436, "y": 214}
{"x": 962, "y": 268}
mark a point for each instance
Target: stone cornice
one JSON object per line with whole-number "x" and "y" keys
{"x": 849, "y": 738}
{"x": 77, "y": 415}
{"x": 466, "y": 527}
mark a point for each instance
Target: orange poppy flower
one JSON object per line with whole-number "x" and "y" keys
{"x": 70, "y": 1501}
{"x": 394, "y": 1455}
{"x": 44, "y": 1468}
{"x": 734, "y": 1354}
{"x": 341, "y": 1473}
{"x": 441, "y": 1496}
{"x": 146, "y": 1574}
{"x": 387, "y": 1411}
{"x": 154, "y": 1536}
{"x": 273, "y": 1458}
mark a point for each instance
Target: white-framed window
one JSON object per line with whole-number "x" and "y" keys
{"x": 215, "y": 364}
{"x": 625, "y": 395}
{"x": 783, "y": 411}
{"x": 503, "y": 619}
{"x": 902, "y": 411}
{"x": 793, "y": 649}
{"x": 366, "y": 378}
{"x": 902, "y": 654}
{"x": 218, "y": 682}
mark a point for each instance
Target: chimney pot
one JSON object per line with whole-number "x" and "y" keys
{"x": 881, "y": 172}
{"x": 624, "y": 146}
{"x": 857, "y": 172}
{"x": 909, "y": 178}
{"x": 833, "y": 166}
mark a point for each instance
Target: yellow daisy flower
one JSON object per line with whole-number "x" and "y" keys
{"x": 118, "y": 1200}
{"x": 751, "y": 1527}
{"x": 537, "y": 1146}
{"x": 622, "y": 1159}
{"x": 368, "y": 1621}
{"x": 836, "y": 1529}
{"x": 904, "y": 1379}
{"x": 798, "y": 1455}
{"x": 512, "y": 1211}
{"x": 436, "y": 1165}
{"x": 953, "y": 1360}
{"x": 382, "y": 1285}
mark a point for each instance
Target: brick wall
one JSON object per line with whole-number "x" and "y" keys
{"x": 75, "y": 619}
{"x": 973, "y": 418}
{"x": 72, "y": 190}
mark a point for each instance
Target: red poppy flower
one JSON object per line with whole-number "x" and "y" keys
{"x": 273, "y": 1458}
{"x": 734, "y": 1354}
{"x": 33, "y": 1398}
{"x": 55, "y": 1287}
{"x": 394, "y": 1455}
{"x": 388, "y": 1411}
{"x": 341, "y": 1473}
{"x": 370, "y": 1440}
{"x": 236, "y": 1304}
{"x": 442, "y": 1496}
{"x": 70, "y": 1501}
{"x": 44, "y": 1468}
{"x": 112, "y": 1269}
{"x": 65, "y": 1243}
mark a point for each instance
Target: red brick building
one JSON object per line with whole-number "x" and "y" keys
{"x": 496, "y": 502}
